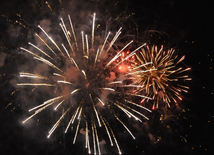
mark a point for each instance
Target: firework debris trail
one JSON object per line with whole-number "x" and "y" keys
{"x": 84, "y": 77}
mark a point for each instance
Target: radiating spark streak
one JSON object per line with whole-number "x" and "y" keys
{"x": 66, "y": 35}
{"x": 71, "y": 59}
{"x": 92, "y": 127}
{"x": 47, "y": 62}
{"x": 128, "y": 112}
{"x": 79, "y": 113}
{"x": 87, "y": 145}
{"x": 75, "y": 91}
{"x": 59, "y": 104}
{"x": 38, "y": 111}
{"x": 107, "y": 131}
{"x": 83, "y": 43}
{"x": 29, "y": 117}
{"x": 72, "y": 29}
{"x": 87, "y": 47}
{"x": 138, "y": 95}
{"x": 40, "y": 50}
{"x": 63, "y": 25}
{"x": 29, "y": 52}
{"x": 138, "y": 105}
{"x": 143, "y": 71}
{"x": 92, "y": 32}
{"x": 75, "y": 64}
{"x": 77, "y": 129}
{"x": 118, "y": 54}
{"x": 141, "y": 65}
{"x": 97, "y": 138}
{"x": 125, "y": 127}
{"x": 34, "y": 84}
{"x": 104, "y": 43}
{"x": 184, "y": 70}
{"x": 101, "y": 101}
{"x": 46, "y": 102}
{"x": 115, "y": 82}
{"x": 84, "y": 74}
{"x": 96, "y": 56}
{"x": 56, "y": 74}
{"x": 65, "y": 82}
{"x": 110, "y": 89}
{"x": 131, "y": 54}
{"x": 115, "y": 140}
{"x": 57, "y": 123}
{"x": 124, "y": 110}
{"x": 30, "y": 75}
{"x": 98, "y": 119}
{"x": 182, "y": 58}
{"x": 137, "y": 86}
{"x": 114, "y": 39}
{"x": 183, "y": 86}
{"x": 86, "y": 134}
{"x": 47, "y": 45}
{"x": 48, "y": 5}
{"x": 51, "y": 40}
{"x": 89, "y": 149}
{"x": 72, "y": 119}
{"x": 137, "y": 112}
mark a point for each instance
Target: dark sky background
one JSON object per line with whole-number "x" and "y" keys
{"x": 186, "y": 26}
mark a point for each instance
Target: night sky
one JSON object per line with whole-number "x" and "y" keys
{"x": 185, "y": 26}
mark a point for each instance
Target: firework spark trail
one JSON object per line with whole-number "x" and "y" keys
{"x": 47, "y": 45}
{"x": 159, "y": 74}
{"x": 80, "y": 78}
{"x": 72, "y": 28}
{"x": 119, "y": 53}
{"x": 104, "y": 43}
{"x": 92, "y": 35}
{"x": 35, "y": 84}
{"x": 30, "y": 75}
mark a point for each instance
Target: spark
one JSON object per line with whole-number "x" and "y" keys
{"x": 72, "y": 28}
{"x": 51, "y": 40}
{"x": 59, "y": 75}
{"x": 131, "y": 54}
{"x": 30, "y": 75}
{"x": 104, "y": 43}
{"x": 110, "y": 89}
{"x": 48, "y": 63}
{"x": 66, "y": 82}
{"x": 35, "y": 84}
{"x": 40, "y": 50}
{"x": 101, "y": 101}
{"x": 83, "y": 43}
{"x": 125, "y": 127}
{"x": 92, "y": 35}
{"x": 47, "y": 45}
{"x": 119, "y": 53}
{"x": 77, "y": 129}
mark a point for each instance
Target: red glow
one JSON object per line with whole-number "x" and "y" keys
{"x": 124, "y": 68}
{"x": 153, "y": 107}
{"x": 142, "y": 101}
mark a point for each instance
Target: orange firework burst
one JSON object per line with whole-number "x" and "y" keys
{"x": 160, "y": 74}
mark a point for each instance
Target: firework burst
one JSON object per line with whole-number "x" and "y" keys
{"x": 160, "y": 75}
{"x": 85, "y": 86}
